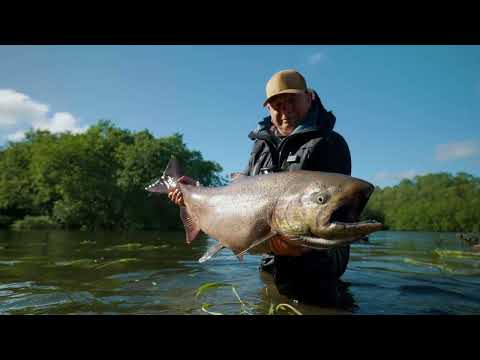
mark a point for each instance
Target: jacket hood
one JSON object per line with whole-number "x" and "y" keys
{"x": 317, "y": 119}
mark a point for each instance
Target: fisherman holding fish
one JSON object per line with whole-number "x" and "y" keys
{"x": 298, "y": 135}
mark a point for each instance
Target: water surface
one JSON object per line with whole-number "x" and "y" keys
{"x": 60, "y": 272}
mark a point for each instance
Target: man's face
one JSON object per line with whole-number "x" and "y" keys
{"x": 287, "y": 110}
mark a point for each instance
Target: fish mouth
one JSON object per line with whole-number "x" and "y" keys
{"x": 338, "y": 234}
{"x": 349, "y": 208}
{"x": 343, "y": 226}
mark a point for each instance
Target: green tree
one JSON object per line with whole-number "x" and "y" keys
{"x": 95, "y": 179}
{"x": 435, "y": 202}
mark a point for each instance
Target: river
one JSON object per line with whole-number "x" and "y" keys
{"x": 61, "y": 272}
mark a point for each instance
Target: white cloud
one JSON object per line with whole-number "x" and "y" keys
{"x": 316, "y": 58}
{"x": 386, "y": 175}
{"x": 17, "y": 136}
{"x": 16, "y": 107}
{"x": 60, "y": 122}
{"x": 457, "y": 150}
{"x": 19, "y": 112}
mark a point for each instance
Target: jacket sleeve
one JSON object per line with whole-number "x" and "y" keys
{"x": 246, "y": 170}
{"x": 251, "y": 159}
{"x": 256, "y": 149}
{"x": 331, "y": 155}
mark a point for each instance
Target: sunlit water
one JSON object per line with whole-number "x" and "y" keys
{"x": 59, "y": 272}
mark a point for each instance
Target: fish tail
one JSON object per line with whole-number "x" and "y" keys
{"x": 168, "y": 180}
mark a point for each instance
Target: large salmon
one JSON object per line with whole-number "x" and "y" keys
{"x": 308, "y": 208}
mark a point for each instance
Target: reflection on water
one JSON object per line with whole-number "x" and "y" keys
{"x": 58, "y": 272}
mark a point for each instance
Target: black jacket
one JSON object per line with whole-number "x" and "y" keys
{"x": 314, "y": 146}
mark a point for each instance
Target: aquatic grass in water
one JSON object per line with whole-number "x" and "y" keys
{"x": 152, "y": 247}
{"x": 245, "y": 307}
{"x": 116, "y": 262}
{"x": 449, "y": 265}
{"x": 75, "y": 263}
{"x": 133, "y": 247}
{"x": 127, "y": 247}
{"x": 94, "y": 264}
{"x": 456, "y": 254}
{"x": 86, "y": 242}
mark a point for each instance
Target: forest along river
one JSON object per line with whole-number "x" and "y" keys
{"x": 60, "y": 272}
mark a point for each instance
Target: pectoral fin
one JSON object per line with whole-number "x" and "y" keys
{"x": 211, "y": 252}
{"x": 237, "y": 176}
{"x": 238, "y": 254}
{"x": 254, "y": 244}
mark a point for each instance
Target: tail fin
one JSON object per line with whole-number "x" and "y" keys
{"x": 173, "y": 169}
{"x": 168, "y": 180}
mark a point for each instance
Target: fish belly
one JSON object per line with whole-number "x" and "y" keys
{"x": 235, "y": 221}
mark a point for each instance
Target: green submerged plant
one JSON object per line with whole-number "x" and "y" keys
{"x": 245, "y": 307}
{"x": 35, "y": 223}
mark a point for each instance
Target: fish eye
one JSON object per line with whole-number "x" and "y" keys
{"x": 320, "y": 198}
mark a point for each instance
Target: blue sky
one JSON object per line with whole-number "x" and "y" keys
{"x": 404, "y": 110}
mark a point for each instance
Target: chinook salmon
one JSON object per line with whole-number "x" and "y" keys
{"x": 308, "y": 208}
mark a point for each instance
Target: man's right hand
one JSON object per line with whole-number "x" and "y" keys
{"x": 176, "y": 195}
{"x": 279, "y": 246}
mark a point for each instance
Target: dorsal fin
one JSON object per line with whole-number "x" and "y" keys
{"x": 192, "y": 228}
{"x": 173, "y": 169}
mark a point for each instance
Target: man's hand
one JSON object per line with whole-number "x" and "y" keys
{"x": 176, "y": 195}
{"x": 279, "y": 246}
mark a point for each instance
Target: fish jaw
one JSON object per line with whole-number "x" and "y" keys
{"x": 344, "y": 224}
{"x": 336, "y": 223}
{"x": 335, "y": 235}
{"x": 342, "y": 230}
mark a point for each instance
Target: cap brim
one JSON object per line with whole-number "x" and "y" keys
{"x": 288, "y": 91}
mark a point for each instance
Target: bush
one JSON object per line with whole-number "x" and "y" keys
{"x": 35, "y": 222}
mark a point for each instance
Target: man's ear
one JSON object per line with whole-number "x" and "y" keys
{"x": 310, "y": 97}
{"x": 311, "y": 94}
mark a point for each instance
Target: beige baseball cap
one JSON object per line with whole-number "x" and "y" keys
{"x": 285, "y": 82}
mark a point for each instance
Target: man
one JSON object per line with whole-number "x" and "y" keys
{"x": 298, "y": 134}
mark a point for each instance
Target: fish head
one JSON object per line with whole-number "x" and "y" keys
{"x": 325, "y": 206}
